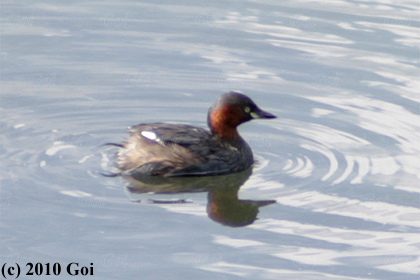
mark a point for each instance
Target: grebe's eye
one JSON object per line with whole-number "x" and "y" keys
{"x": 247, "y": 110}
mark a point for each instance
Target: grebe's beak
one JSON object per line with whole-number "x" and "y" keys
{"x": 260, "y": 114}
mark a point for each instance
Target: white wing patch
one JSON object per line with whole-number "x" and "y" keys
{"x": 149, "y": 135}
{"x": 152, "y": 136}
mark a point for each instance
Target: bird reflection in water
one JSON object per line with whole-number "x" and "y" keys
{"x": 223, "y": 205}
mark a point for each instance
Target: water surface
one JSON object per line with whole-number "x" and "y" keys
{"x": 342, "y": 159}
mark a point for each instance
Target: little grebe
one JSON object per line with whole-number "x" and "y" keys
{"x": 169, "y": 150}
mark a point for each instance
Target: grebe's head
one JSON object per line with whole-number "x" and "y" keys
{"x": 230, "y": 110}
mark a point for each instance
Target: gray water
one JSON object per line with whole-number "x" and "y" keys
{"x": 342, "y": 159}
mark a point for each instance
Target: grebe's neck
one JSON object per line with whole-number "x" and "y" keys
{"x": 223, "y": 122}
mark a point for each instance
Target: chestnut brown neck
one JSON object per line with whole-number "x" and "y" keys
{"x": 223, "y": 121}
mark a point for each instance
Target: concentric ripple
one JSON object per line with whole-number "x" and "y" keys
{"x": 330, "y": 153}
